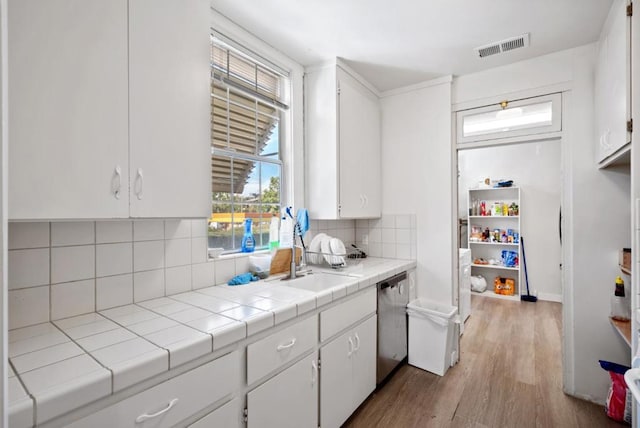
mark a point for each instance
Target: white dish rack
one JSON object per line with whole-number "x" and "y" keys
{"x": 352, "y": 257}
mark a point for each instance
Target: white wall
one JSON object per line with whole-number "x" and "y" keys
{"x": 595, "y": 207}
{"x": 535, "y": 168}
{"x": 416, "y": 178}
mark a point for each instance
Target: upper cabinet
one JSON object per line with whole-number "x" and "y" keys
{"x": 109, "y": 109}
{"x": 612, "y": 86}
{"x": 342, "y": 123}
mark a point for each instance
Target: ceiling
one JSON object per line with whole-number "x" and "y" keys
{"x": 394, "y": 43}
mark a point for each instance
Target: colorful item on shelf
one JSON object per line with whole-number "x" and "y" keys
{"x": 504, "y": 286}
{"x": 509, "y": 258}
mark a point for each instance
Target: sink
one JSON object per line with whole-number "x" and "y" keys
{"x": 317, "y": 282}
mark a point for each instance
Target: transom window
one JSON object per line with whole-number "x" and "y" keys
{"x": 248, "y": 103}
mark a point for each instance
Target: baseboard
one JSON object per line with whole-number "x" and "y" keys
{"x": 550, "y": 297}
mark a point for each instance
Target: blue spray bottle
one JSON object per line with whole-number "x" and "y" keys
{"x": 248, "y": 242}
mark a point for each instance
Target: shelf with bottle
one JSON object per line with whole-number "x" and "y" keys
{"x": 502, "y": 244}
{"x": 495, "y": 267}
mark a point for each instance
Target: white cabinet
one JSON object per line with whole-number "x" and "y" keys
{"x": 348, "y": 373}
{"x": 289, "y": 399}
{"x": 342, "y": 145}
{"x": 68, "y": 130}
{"x": 612, "y": 84}
{"x": 109, "y": 109}
{"x": 169, "y": 104}
{"x": 227, "y": 416}
{"x": 173, "y": 401}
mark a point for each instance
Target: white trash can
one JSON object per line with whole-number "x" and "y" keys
{"x": 431, "y": 335}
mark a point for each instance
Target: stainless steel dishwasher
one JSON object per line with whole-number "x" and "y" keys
{"x": 393, "y": 296}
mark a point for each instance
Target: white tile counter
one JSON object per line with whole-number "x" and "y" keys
{"x": 65, "y": 364}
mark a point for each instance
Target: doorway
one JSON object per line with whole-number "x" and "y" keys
{"x": 534, "y": 168}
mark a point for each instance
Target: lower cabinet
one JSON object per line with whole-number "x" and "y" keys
{"x": 348, "y": 372}
{"x": 227, "y": 416}
{"x": 173, "y": 401}
{"x": 289, "y": 399}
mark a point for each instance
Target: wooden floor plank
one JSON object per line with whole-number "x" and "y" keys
{"x": 509, "y": 375}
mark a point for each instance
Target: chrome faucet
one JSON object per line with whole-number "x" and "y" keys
{"x": 294, "y": 269}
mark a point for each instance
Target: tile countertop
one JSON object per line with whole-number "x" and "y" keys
{"x": 68, "y": 363}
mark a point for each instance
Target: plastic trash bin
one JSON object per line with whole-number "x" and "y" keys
{"x": 431, "y": 335}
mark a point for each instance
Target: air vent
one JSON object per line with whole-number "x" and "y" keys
{"x": 503, "y": 46}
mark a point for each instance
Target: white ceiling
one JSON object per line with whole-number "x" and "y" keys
{"x": 393, "y": 43}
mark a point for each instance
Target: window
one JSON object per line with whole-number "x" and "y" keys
{"x": 248, "y": 102}
{"x": 531, "y": 116}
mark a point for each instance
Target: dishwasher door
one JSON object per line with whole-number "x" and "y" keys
{"x": 393, "y": 295}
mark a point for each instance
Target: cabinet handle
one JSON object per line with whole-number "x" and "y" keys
{"x": 366, "y": 201}
{"x": 357, "y": 343}
{"x": 314, "y": 372}
{"x": 147, "y": 416}
{"x": 140, "y": 180}
{"x": 361, "y": 201}
{"x": 350, "y": 347}
{"x": 401, "y": 289}
{"x": 118, "y": 184}
{"x": 287, "y": 346}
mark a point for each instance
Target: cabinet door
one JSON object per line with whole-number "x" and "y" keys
{"x": 364, "y": 361}
{"x": 335, "y": 381}
{"x": 612, "y": 85}
{"x": 170, "y": 108}
{"x": 359, "y": 149}
{"x": 227, "y": 416}
{"x": 289, "y": 399}
{"x": 68, "y": 101}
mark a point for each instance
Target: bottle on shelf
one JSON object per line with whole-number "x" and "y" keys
{"x": 620, "y": 305}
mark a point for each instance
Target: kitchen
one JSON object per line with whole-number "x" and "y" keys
{"x": 88, "y": 264}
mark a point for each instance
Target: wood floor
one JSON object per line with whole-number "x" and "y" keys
{"x": 509, "y": 375}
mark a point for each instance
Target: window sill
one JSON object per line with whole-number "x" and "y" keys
{"x": 236, "y": 255}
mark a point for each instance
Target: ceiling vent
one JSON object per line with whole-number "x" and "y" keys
{"x": 503, "y": 46}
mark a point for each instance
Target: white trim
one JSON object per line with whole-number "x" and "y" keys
{"x": 566, "y": 195}
{"x": 512, "y": 140}
{"x": 292, "y": 150}
{"x": 529, "y": 93}
{"x": 4, "y": 172}
{"x": 550, "y": 297}
{"x": 415, "y": 87}
{"x": 338, "y": 62}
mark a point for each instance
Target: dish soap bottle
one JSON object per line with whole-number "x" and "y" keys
{"x": 248, "y": 242}
{"x": 273, "y": 233}
{"x": 620, "y": 305}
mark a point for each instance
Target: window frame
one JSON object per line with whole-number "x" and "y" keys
{"x": 279, "y": 107}
{"x": 555, "y": 126}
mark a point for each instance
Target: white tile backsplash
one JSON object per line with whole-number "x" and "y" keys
{"x": 114, "y": 291}
{"x": 148, "y": 285}
{"x": 391, "y": 236}
{"x": 28, "y": 235}
{"x": 204, "y": 275}
{"x": 28, "y": 306}
{"x": 177, "y": 279}
{"x": 72, "y": 298}
{"x": 177, "y": 252}
{"x": 60, "y": 269}
{"x": 72, "y": 233}
{"x": 225, "y": 270}
{"x": 174, "y": 229}
{"x": 148, "y": 255}
{"x": 148, "y": 230}
{"x": 199, "y": 228}
{"x": 28, "y": 268}
{"x": 114, "y": 259}
{"x": 199, "y": 247}
{"x": 72, "y": 263}
{"x": 114, "y": 231}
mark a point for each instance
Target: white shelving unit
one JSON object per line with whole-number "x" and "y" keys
{"x": 493, "y": 250}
